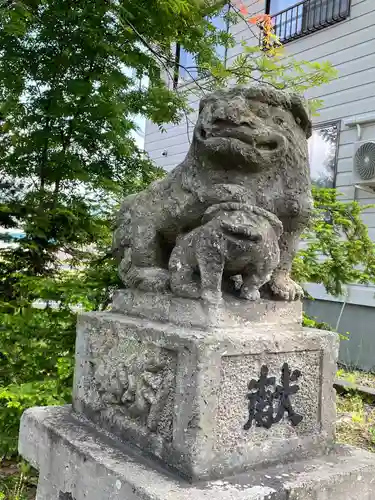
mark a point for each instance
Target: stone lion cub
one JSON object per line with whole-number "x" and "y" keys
{"x": 234, "y": 239}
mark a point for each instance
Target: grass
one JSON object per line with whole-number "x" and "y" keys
{"x": 17, "y": 481}
{"x": 355, "y": 421}
{"x": 356, "y": 412}
{"x": 357, "y": 377}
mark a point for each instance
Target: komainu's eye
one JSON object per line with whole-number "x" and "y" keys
{"x": 262, "y": 113}
{"x": 279, "y": 121}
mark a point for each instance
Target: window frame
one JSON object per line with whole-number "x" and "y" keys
{"x": 331, "y": 123}
{"x": 307, "y": 31}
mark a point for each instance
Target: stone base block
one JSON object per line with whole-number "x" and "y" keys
{"x": 209, "y": 404}
{"x": 77, "y": 462}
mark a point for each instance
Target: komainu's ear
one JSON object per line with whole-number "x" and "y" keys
{"x": 301, "y": 114}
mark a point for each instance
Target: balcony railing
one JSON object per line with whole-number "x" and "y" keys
{"x": 309, "y": 16}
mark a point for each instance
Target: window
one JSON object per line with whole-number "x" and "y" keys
{"x": 187, "y": 60}
{"x": 279, "y": 5}
{"x": 317, "y": 12}
{"x": 295, "y": 19}
{"x": 323, "y": 146}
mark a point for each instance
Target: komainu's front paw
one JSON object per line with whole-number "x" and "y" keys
{"x": 249, "y": 293}
{"x": 283, "y": 287}
{"x": 212, "y": 297}
{"x": 148, "y": 279}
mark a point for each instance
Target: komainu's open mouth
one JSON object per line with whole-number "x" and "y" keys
{"x": 242, "y": 132}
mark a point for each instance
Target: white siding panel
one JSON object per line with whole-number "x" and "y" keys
{"x": 346, "y": 151}
{"x": 174, "y": 141}
{"x": 368, "y": 114}
{"x": 252, "y": 5}
{"x": 346, "y": 193}
{"x": 335, "y": 46}
{"x": 151, "y": 128}
{"x": 364, "y": 49}
{"x": 332, "y": 41}
{"x": 369, "y": 214}
{"x": 168, "y": 127}
{"x": 350, "y": 95}
{"x": 243, "y": 30}
{"x": 171, "y": 162}
{"x": 368, "y": 217}
{"x": 237, "y": 49}
{"x": 348, "y": 83}
{"x": 174, "y": 131}
{"x": 363, "y": 199}
{"x": 168, "y": 141}
{"x": 253, "y": 8}
{"x": 343, "y": 179}
{"x": 364, "y": 196}
{"x": 156, "y": 147}
{"x": 349, "y": 135}
{"x": 361, "y": 295}
{"x": 344, "y": 165}
{"x": 170, "y": 151}
{"x": 347, "y": 109}
{"x": 355, "y": 3}
{"x": 363, "y": 63}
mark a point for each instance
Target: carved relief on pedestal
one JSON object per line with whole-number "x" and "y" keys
{"x": 139, "y": 383}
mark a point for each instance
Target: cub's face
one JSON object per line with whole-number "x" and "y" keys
{"x": 247, "y": 226}
{"x": 241, "y": 132}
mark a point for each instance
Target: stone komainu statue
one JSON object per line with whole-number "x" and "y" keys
{"x": 249, "y": 149}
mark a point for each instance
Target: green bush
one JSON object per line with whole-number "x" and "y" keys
{"x": 37, "y": 344}
{"x": 36, "y": 363}
{"x": 338, "y": 249}
{"x": 314, "y": 323}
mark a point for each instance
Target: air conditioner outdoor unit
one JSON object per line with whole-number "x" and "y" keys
{"x": 364, "y": 164}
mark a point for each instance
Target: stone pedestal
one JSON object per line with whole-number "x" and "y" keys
{"x": 76, "y": 461}
{"x": 197, "y": 382}
{"x": 172, "y": 398}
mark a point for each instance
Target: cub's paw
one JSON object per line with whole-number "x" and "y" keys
{"x": 284, "y": 288}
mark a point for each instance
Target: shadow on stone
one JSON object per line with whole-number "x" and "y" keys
{"x": 65, "y": 496}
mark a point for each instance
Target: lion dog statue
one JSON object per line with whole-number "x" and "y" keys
{"x": 249, "y": 147}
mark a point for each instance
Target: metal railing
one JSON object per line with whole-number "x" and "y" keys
{"x": 309, "y": 16}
